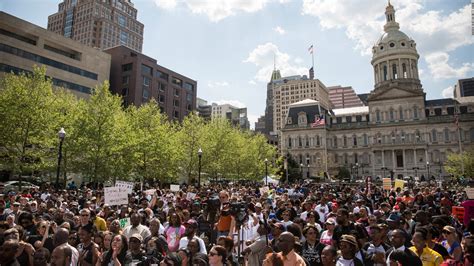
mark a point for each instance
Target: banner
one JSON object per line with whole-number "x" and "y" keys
{"x": 174, "y": 187}
{"x": 458, "y": 212}
{"x": 387, "y": 183}
{"x": 399, "y": 183}
{"x": 124, "y": 185}
{"x": 115, "y": 196}
{"x": 124, "y": 222}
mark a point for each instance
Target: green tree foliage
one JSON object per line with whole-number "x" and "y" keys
{"x": 454, "y": 163}
{"x": 26, "y": 122}
{"x": 343, "y": 173}
{"x": 105, "y": 142}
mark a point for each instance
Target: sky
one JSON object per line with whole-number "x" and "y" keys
{"x": 229, "y": 46}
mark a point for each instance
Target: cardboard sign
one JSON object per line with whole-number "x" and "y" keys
{"x": 458, "y": 212}
{"x": 399, "y": 183}
{"x": 115, "y": 196}
{"x": 124, "y": 222}
{"x": 469, "y": 192}
{"x": 150, "y": 191}
{"x": 387, "y": 183}
{"x": 124, "y": 185}
{"x": 190, "y": 196}
{"x": 174, "y": 188}
{"x": 263, "y": 190}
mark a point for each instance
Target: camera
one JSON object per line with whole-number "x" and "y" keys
{"x": 239, "y": 211}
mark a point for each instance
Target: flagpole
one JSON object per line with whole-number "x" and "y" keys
{"x": 312, "y": 57}
{"x": 460, "y": 144}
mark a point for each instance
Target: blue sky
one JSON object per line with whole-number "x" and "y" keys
{"x": 228, "y": 46}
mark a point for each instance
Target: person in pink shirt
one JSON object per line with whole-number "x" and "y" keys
{"x": 174, "y": 232}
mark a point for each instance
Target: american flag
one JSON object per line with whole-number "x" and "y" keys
{"x": 318, "y": 121}
{"x": 310, "y": 49}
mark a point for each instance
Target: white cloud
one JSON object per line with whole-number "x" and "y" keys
{"x": 217, "y": 10}
{"x": 252, "y": 120}
{"x": 440, "y": 68}
{"x": 279, "y": 30}
{"x": 363, "y": 22}
{"x": 234, "y": 103}
{"x": 252, "y": 82}
{"x": 262, "y": 57}
{"x": 217, "y": 84}
{"x": 448, "y": 92}
{"x": 166, "y": 4}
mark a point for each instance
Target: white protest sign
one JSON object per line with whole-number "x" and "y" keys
{"x": 150, "y": 191}
{"x": 190, "y": 196}
{"x": 115, "y": 196}
{"x": 263, "y": 190}
{"x": 124, "y": 185}
{"x": 174, "y": 187}
{"x": 470, "y": 192}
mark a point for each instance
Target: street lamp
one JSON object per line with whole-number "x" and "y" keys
{"x": 307, "y": 163}
{"x": 357, "y": 170}
{"x": 61, "y": 135}
{"x": 266, "y": 172}
{"x": 301, "y": 171}
{"x": 428, "y": 168}
{"x": 199, "y": 171}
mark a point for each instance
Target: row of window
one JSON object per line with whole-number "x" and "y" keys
{"x": 46, "y": 61}
{"x": 57, "y": 82}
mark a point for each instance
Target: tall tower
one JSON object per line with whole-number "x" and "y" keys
{"x": 99, "y": 23}
{"x": 269, "y": 103}
{"x": 397, "y": 84}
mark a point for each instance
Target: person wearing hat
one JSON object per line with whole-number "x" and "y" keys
{"x": 276, "y": 229}
{"x": 451, "y": 243}
{"x": 326, "y": 236}
{"x": 376, "y": 248}
{"x": 135, "y": 251}
{"x": 190, "y": 233}
{"x": 348, "y": 246}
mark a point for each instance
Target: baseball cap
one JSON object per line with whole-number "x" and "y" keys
{"x": 349, "y": 239}
{"x": 137, "y": 236}
{"x": 330, "y": 221}
{"x": 258, "y": 205}
{"x": 191, "y": 222}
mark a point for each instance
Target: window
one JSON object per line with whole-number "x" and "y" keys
{"x": 471, "y": 132}
{"x": 354, "y": 140}
{"x": 123, "y": 37}
{"x": 161, "y": 98}
{"x": 122, "y": 21}
{"x": 289, "y": 142}
{"x": 377, "y": 116}
{"x": 176, "y": 81}
{"x": 176, "y": 103}
{"x": 125, "y": 80}
{"x": 189, "y": 97}
{"x": 147, "y": 70}
{"x": 384, "y": 72}
{"x": 348, "y": 119}
{"x": 366, "y": 140}
{"x": 188, "y": 86}
{"x": 161, "y": 75}
{"x": 145, "y": 94}
{"x": 176, "y": 93}
{"x": 161, "y": 86}
{"x": 400, "y": 113}
{"x": 146, "y": 81}
{"x": 404, "y": 69}
{"x": 127, "y": 67}
{"x": 433, "y": 135}
{"x": 415, "y": 112}
{"x": 358, "y": 118}
{"x": 344, "y": 141}
{"x": 446, "y": 135}
{"x": 18, "y": 37}
{"x": 392, "y": 115}
{"x": 124, "y": 91}
{"x": 176, "y": 114}
{"x": 318, "y": 141}
{"x": 335, "y": 142}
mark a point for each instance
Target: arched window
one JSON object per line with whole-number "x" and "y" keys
{"x": 354, "y": 140}
{"x": 299, "y": 141}
{"x": 400, "y": 113}
{"x": 289, "y": 142}
{"x": 404, "y": 70}
{"x": 385, "y": 72}
{"x": 307, "y": 141}
{"x": 417, "y": 136}
{"x": 394, "y": 71}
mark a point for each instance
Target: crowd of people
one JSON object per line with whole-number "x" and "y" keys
{"x": 239, "y": 224}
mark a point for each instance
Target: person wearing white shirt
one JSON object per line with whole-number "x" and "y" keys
{"x": 190, "y": 233}
{"x": 323, "y": 209}
{"x": 136, "y": 227}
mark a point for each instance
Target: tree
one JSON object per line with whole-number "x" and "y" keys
{"x": 454, "y": 163}
{"x": 343, "y": 174}
{"x": 26, "y": 115}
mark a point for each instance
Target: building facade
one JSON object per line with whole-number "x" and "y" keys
{"x": 71, "y": 65}
{"x": 399, "y": 133}
{"x": 464, "y": 88}
{"x": 138, "y": 78}
{"x": 344, "y": 97}
{"x": 237, "y": 116}
{"x": 98, "y": 23}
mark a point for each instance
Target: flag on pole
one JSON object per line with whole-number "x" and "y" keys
{"x": 318, "y": 121}
{"x": 310, "y": 49}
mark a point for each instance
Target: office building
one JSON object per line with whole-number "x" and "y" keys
{"x": 464, "y": 88}
{"x": 344, "y": 97}
{"x": 138, "y": 78}
{"x": 69, "y": 64}
{"x": 203, "y": 109}
{"x": 98, "y": 23}
{"x": 237, "y": 116}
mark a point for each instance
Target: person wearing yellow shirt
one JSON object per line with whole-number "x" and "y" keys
{"x": 98, "y": 221}
{"x": 427, "y": 256}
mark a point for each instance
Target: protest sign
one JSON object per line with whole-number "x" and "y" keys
{"x": 124, "y": 185}
{"x": 150, "y": 191}
{"x": 263, "y": 190}
{"x": 399, "y": 183}
{"x": 190, "y": 196}
{"x": 124, "y": 222}
{"x": 387, "y": 183}
{"x": 174, "y": 187}
{"x": 115, "y": 196}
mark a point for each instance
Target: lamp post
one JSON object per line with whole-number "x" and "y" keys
{"x": 266, "y": 172}
{"x": 428, "y": 168}
{"x": 301, "y": 170}
{"x": 61, "y": 135}
{"x": 307, "y": 164}
{"x": 357, "y": 170}
{"x": 199, "y": 171}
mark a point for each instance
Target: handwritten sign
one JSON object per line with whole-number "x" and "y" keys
{"x": 124, "y": 185}
{"x": 190, "y": 196}
{"x": 387, "y": 184}
{"x": 124, "y": 222}
{"x": 115, "y": 196}
{"x": 150, "y": 191}
{"x": 469, "y": 192}
{"x": 174, "y": 188}
{"x": 399, "y": 183}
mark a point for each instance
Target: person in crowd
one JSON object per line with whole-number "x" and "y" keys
{"x": 428, "y": 256}
{"x": 8, "y": 252}
{"x": 136, "y": 227}
{"x": 217, "y": 256}
{"x": 255, "y": 252}
{"x": 185, "y": 256}
{"x": 397, "y": 240}
{"x": 190, "y": 233}
{"x": 174, "y": 232}
{"x": 329, "y": 256}
{"x": 172, "y": 259}
{"x": 117, "y": 254}
{"x": 451, "y": 243}
{"x": 228, "y": 244}
{"x": 88, "y": 250}
{"x": 62, "y": 256}
{"x": 376, "y": 247}
{"x": 286, "y": 243}
{"x": 347, "y": 227}
{"x": 326, "y": 235}
{"x": 312, "y": 248}
{"x": 61, "y": 238}
{"x": 349, "y": 247}
{"x": 107, "y": 241}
